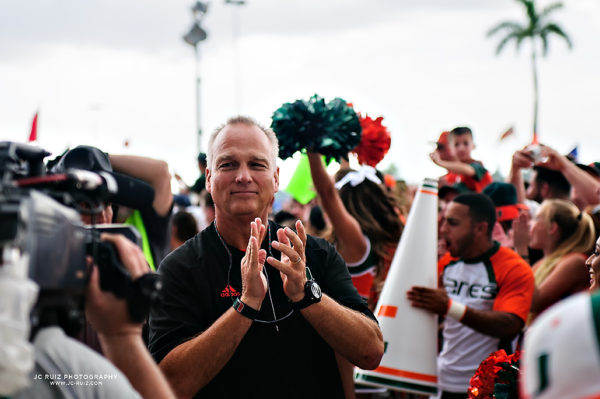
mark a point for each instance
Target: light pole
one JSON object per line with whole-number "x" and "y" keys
{"x": 194, "y": 37}
{"x": 236, "y": 55}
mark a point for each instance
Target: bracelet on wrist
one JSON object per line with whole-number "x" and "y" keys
{"x": 456, "y": 310}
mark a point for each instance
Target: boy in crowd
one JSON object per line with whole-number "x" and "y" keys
{"x": 464, "y": 171}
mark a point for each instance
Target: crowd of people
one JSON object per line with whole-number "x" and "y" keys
{"x": 263, "y": 298}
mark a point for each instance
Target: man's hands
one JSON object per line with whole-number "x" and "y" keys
{"x": 292, "y": 265}
{"x": 522, "y": 159}
{"x": 429, "y": 299}
{"x": 254, "y": 282}
{"x": 109, "y": 315}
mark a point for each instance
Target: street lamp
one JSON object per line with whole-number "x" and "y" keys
{"x": 193, "y": 38}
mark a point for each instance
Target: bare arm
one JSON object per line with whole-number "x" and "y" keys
{"x": 581, "y": 181}
{"x": 152, "y": 171}
{"x": 351, "y": 242}
{"x": 489, "y": 322}
{"x": 121, "y": 339}
{"x": 216, "y": 345}
{"x": 569, "y": 276}
{"x": 186, "y": 374}
{"x": 453, "y": 166}
{"x": 521, "y": 159}
{"x": 350, "y": 333}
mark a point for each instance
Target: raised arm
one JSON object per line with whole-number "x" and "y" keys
{"x": 521, "y": 159}
{"x": 351, "y": 243}
{"x": 585, "y": 185}
{"x": 152, "y": 171}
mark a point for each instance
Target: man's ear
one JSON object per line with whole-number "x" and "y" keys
{"x": 276, "y": 178}
{"x": 481, "y": 228}
{"x": 207, "y": 182}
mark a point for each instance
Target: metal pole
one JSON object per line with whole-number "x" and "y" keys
{"x": 236, "y": 63}
{"x": 198, "y": 109}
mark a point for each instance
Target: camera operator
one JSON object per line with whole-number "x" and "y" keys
{"x": 66, "y": 368}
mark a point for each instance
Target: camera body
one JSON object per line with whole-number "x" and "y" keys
{"x": 39, "y": 220}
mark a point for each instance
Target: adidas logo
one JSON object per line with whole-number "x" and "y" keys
{"x": 229, "y": 291}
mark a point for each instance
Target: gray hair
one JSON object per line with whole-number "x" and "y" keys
{"x": 245, "y": 120}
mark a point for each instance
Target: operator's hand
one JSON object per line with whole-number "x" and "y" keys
{"x": 254, "y": 282}
{"x": 429, "y": 299}
{"x": 292, "y": 265}
{"x": 106, "y": 313}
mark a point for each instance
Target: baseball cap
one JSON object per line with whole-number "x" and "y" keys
{"x": 504, "y": 197}
{"x": 443, "y": 140}
{"x": 592, "y": 168}
{"x": 561, "y": 356}
{"x": 456, "y": 188}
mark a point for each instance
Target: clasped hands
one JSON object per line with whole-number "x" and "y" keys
{"x": 292, "y": 265}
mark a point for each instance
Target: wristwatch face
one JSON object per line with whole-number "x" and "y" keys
{"x": 316, "y": 290}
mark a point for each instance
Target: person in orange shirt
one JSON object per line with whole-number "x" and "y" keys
{"x": 486, "y": 295}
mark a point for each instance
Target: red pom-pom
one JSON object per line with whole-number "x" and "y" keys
{"x": 374, "y": 143}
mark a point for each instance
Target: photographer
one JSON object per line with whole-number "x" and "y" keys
{"x": 66, "y": 368}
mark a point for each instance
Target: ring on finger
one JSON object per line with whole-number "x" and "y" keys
{"x": 297, "y": 260}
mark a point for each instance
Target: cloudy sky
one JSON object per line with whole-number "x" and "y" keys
{"x": 103, "y": 72}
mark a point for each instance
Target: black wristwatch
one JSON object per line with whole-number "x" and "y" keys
{"x": 312, "y": 294}
{"x": 245, "y": 310}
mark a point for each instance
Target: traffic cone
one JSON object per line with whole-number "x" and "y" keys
{"x": 410, "y": 334}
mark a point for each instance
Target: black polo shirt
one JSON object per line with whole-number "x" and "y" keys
{"x": 286, "y": 359}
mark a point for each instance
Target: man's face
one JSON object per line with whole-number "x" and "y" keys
{"x": 242, "y": 177}
{"x": 463, "y": 145}
{"x": 534, "y": 192}
{"x": 457, "y": 230}
{"x": 101, "y": 218}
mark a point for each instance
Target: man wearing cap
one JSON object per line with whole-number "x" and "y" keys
{"x": 504, "y": 197}
{"x": 486, "y": 295}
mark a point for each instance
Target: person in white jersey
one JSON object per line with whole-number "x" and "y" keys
{"x": 486, "y": 294}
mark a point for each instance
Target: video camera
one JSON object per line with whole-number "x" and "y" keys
{"x": 39, "y": 220}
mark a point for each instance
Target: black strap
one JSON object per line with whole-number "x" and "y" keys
{"x": 245, "y": 310}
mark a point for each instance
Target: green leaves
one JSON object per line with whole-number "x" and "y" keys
{"x": 537, "y": 27}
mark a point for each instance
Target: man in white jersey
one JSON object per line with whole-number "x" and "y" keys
{"x": 486, "y": 294}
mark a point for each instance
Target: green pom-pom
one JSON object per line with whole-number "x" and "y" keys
{"x": 332, "y": 129}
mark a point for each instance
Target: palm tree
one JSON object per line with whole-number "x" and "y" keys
{"x": 537, "y": 28}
